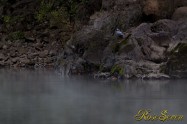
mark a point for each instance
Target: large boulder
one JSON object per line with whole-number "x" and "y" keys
{"x": 157, "y": 9}
{"x": 180, "y": 13}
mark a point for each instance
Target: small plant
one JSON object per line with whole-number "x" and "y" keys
{"x": 45, "y": 8}
{"x": 6, "y": 19}
{"x": 16, "y": 35}
{"x": 58, "y": 18}
{"x": 117, "y": 69}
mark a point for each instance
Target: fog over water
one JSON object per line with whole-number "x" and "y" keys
{"x": 46, "y": 97}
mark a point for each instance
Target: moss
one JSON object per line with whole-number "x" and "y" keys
{"x": 117, "y": 69}
{"x": 116, "y": 47}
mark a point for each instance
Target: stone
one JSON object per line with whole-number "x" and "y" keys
{"x": 32, "y": 55}
{"x": 180, "y": 13}
{"x": 53, "y": 52}
{"x": 14, "y": 60}
{"x": 43, "y": 54}
{"x": 2, "y": 57}
{"x": 5, "y": 47}
{"x": 30, "y": 39}
{"x": 102, "y": 75}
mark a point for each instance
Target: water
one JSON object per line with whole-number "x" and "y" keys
{"x": 45, "y": 97}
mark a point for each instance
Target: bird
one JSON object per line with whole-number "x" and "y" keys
{"x": 119, "y": 34}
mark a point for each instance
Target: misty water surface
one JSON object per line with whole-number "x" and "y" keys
{"x": 46, "y": 97}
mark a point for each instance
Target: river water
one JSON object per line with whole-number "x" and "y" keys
{"x": 46, "y": 97}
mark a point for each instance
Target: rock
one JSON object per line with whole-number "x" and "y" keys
{"x": 102, "y": 75}
{"x": 13, "y": 53}
{"x": 15, "y": 60}
{"x": 2, "y": 57}
{"x": 48, "y": 60}
{"x": 25, "y": 62}
{"x": 5, "y": 47}
{"x": 165, "y": 27}
{"x": 151, "y": 7}
{"x": 2, "y": 63}
{"x": 30, "y": 39}
{"x": 43, "y": 53}
{"x": 180, "y": 13}
{"x": 176, "y": 65}
{"x": 53, "y": 52}
{"x": 32, "y": 55}
{"x": 159, "y": 9}
{"x": 156, "y": 76}
{"x": 89, "y": 44}
{"x": 22, "y": 50}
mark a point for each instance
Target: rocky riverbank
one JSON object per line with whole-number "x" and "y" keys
{"x": 31, "y": 34}
{"x": 154, "y": 46}
{"x": 44, "y": 34}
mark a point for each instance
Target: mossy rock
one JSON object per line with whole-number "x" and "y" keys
{"x": 117, "y": 69}
{"x": 177, "y": 64}
{"x": 121, "y": 43}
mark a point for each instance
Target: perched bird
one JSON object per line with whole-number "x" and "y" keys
{"x": 119, "y": 34}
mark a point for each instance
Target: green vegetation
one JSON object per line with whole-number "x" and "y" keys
{"x": 117, "y": 69}
{"x": 116, "y": 47}
{"x": 67, "y": 9}
{"x": 7, "y": 19}
{"x": 57, "y": 18}
{"x": 45, "y": 8}
{"x": 16, "y": 35}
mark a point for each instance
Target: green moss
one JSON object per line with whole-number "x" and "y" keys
{"x": 117, "y": 69}
{"x": 116, "y": 47}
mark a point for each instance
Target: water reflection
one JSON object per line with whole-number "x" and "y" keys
{"x": 44, "y": 97}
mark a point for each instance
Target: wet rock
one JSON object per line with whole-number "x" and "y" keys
{"x": 156, "y": 76}
{"x": 48, "y": 60}
{"x": 102, "y": 75}
{"x": 25, "y": 62}
{"x": 2, "y": 63}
